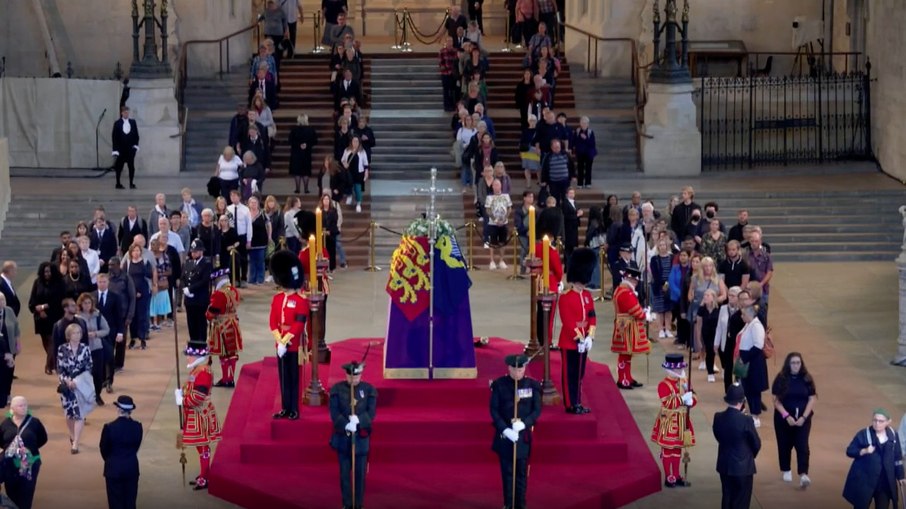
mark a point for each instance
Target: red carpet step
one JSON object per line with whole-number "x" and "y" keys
{"x": 431, "y": 443}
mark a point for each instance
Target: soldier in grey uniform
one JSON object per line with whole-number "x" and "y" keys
{"x": 352, "y": 407}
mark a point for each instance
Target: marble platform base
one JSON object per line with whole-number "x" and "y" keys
{"x": 675, "y": 147}
{"x": 152, "y": 104}
{"x": 900, "y": 357}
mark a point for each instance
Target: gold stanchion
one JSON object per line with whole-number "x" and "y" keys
{"x": 602, "y": 261}
{"x": 396, "y": 31}
{"x": 317, "y": 47}
{"x": 516, "y": 265}
{"x": 471, "y": 253}
{"x": 233, "y": 268}
{"x": 315, "y": 395}
{"x": 534, "y": 266}
{"x": 406, "y": 47}
{"x": 372, "y": 267}
{"x": 549, "y": 394}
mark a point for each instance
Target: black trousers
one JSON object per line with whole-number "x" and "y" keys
{"x": 6, "y": 382}
{"x": 127, "y": 157}
{"x": 278, "y": 55}
{"x": 790, "y": 437}
{"x": 529, "y": 29}
{"x": 449, "y": 85}
{"x": 882, "y": 495}
{"x": 292, "y": 37}
{"x": 506, "y": 473}
{"x": 361, "y": 463}
{"x": 110, "y": 363}
{"x": 288, "y": 372}
{"x": 122, "y": 493}
{"x": 736, "y": 491}
{"x": 197, "y": 323}
{"x": 119, "y": 353}
{"x": 684, "y": 332}
{"x": 331, "y": 245}
{"x": 708, "y": 344}
{"x": 475, "y": 15}
{"x": 726, "y": 360}
{"x": 98, "y": 371}
{"x": 242, "y": 259}
{"x": 19, "y": 489}
{"x": 512, "y": 36}
{"x": 573, "y": 369}
{"x": 583, "y": 170}
{"x": 541, "y": 325}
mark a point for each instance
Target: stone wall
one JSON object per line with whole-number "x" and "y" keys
{"x": 96, "y": 34}
{"x": 885, "y": 40}
{"x": 5, "y": 191}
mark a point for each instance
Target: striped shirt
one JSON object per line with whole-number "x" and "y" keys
{"x": 558, "y": 165}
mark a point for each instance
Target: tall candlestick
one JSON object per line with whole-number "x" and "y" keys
{"x": 531, "y": 231}
{"x": 545, "y": 263}
{"x": 318, "y": 232}
{"x": 312, "y": 264}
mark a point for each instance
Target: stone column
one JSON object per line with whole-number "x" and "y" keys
{"x": 900, "y": 358}
{"x": 675, "y": 147}
{"x": 153, "y": 104}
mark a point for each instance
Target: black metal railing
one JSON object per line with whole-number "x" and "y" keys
{"x": 780, "y": 120}
{"x": 223, "y": 46}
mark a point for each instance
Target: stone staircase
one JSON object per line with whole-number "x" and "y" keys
{"x": 211, "y": 104}
{"x": 609, "y": 103}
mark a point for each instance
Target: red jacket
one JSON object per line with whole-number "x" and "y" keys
{"x": 577, "y": 316}
{"x": 629, "y": 334}
{"x": 289, "y": 313}
{"x": 556, "y": 268}
{"x": 200, "y": 424}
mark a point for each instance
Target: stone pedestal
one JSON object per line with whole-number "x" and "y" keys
{"x": 900, "y": 358}
{"x": 675, "y": 149}
{"x": 152, "y": 104}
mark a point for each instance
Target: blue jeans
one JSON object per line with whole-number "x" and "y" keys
{"x": 341, "y": 255}
{"x": 357, "y": 190}
{"x": 466, "y": 175}
{"x": 256, "y": 265}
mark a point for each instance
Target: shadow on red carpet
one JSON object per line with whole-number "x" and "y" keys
{"x": 431, "y": 443}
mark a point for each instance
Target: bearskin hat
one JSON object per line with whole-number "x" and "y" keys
{"x": 581, "y": 266}
{"x": 305, "y": 224}
{"x": 549, "y": 221}
{"x": 287, "y": 269}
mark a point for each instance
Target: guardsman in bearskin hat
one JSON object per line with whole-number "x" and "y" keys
{"x": 289, "y": 316}
{"x": 673, "y": 427}
{"x": 576, "y": 307}
{"x": 629, "y": 335}
{"x": 305, "y": 224}
{"x": 196, "y": 288}
{"x": 352, "y": 407}
{"x": 515, "y": 406}
{"x": 549, "y": 224}
{"x": 226, "y": 338}
{"x": 200, "y": 425}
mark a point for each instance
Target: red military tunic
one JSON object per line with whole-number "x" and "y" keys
{"x": 201, "y": 426}
{"x": 629, "y": 336}
{"x": 226, "y": 338}
{"x": 556, "y": 268}
{"x": 577, "y": 316}
{"x": 673, "y": 420}
{"x": 289, "y": 314}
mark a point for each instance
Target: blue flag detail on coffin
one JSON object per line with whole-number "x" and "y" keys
{"x": 451, "y": 279}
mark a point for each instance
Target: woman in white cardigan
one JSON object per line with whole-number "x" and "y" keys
{"x": 751, "y": 345}
{"x": 720, "y": 337}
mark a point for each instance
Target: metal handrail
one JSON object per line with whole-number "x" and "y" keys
{"x": 182, "y": 68}
{"x": 636, "y": 74}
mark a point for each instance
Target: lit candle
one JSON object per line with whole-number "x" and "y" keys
{"x": 531, "y": 231}
{"x": 545, "y": 263}
{"x": 312, "y": 264}
{"x": 318, "y": 233}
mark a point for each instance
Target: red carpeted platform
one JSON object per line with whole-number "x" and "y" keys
{"x": 431, "y": 443}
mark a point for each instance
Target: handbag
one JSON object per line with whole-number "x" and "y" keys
{"x": 768, "y": 349}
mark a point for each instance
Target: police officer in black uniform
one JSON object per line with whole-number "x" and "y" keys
{"x": 352, "y": 424}
{"x": 197, "y": 280}
{"x": 513, "y": 430}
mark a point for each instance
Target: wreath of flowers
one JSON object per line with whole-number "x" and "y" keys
{"x": 421, "y": 227}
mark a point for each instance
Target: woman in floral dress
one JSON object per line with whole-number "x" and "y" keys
{"x": 73, "y": 359}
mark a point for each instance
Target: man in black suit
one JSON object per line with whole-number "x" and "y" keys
{"x": 65, "y": 239}
{"x": 130, "y": 226}
{"x": 346, "y": 88}
{"x": 264, "y": 84}
{"x": 120, "y": 442}
{"x": 7, "y": 275}
{"x": 125, "y": 146}
{"x": 102, "y": 239}
{"x": 114, "y": 311}
{"x": 737, "y": 445}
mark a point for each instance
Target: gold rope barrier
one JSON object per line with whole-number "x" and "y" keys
{"x": 516, "y": 262}
{"x": 372, "y": 266}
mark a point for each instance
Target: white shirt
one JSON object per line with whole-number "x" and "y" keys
{"x": 127, "y": 126}
{"x": 229, "y": 170}
{"x": 94, "y": 264}
{"x": 172, "y": 240}
{"x": 289, "y": 224}
{"x": 9, "y": 283}
{"x": 752, "y": 335}
{"x": 723, "y": 319}
{"x": 241, "y": 219}
{"x": 363, "y": 159}
{"x": 464, "y": 135}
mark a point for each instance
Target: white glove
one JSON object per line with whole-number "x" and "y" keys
{"x": 687, "y": 399}
{"x": 511, "y": 434}
{"x": 178, "y": 394}
{"x": 281, "y": 351}
{"x": 518, "y": 426}
{"x": 581, "y": 346}
{"x": 354, "y": 419}
{"x": 187, "y": 293}
{"x": 351, "y": 427}
{"x": 115, "y": 153}
{"x": 649, "y": 316}
{"x": 589, "y": 341}
{"x": 560, "y": 287}
{"x": 254, "y": 186}
{"x": 136, "y": 148}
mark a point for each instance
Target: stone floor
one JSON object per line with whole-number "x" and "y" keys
{"x": 842, "y": 317}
